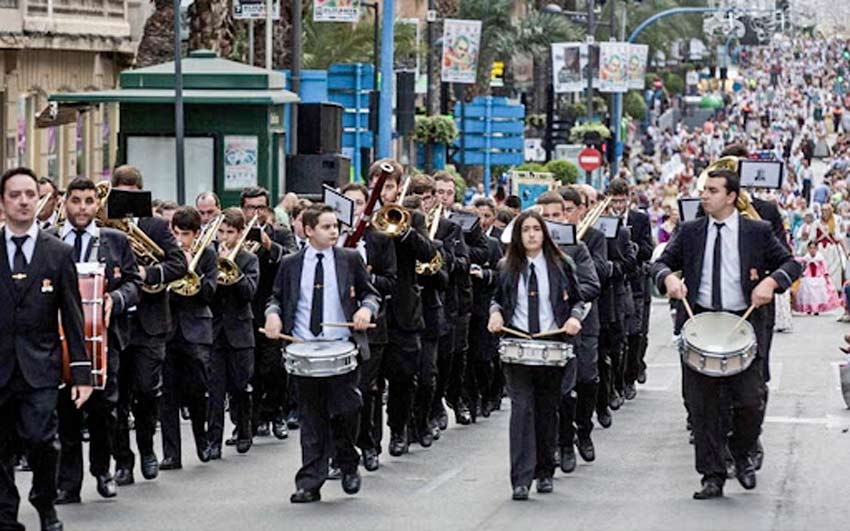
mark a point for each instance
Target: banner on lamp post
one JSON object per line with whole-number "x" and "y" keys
{"x": 638, "y": 55}
{"x": 336, "y": 10}
{"x": 567, "y": 75}
{"x": 461, "y": 41}
{"x": 613, "y": 60}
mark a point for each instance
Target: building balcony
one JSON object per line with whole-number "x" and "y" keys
{"x": 56, "y": 21}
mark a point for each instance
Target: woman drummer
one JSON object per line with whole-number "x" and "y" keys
{"x": 537, "y": 293}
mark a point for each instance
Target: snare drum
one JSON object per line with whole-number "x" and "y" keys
{"x": 92, "y": 286}
{"x": 535, "y": 352}
{"x": 320, "y": 359}
{"x": 709, "y": 346}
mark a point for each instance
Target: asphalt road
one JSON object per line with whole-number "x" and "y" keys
{"x": 643, "y": 476}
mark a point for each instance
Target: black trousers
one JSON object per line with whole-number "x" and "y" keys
{"x": 28, "y": 418}
{"x": 399, "y": 367}
{"x": 479, "y": 361}
{"x": 709, "y": 400}
{"x": 578, "y": 392}
{"x": 329, "y": 410}
{"x": 139, "y": 389}
{"x": 426, "y": 383}
{"x": 230, "y": 372}
{"x": 445, "y": 366}
{"x": 185, "y": 383}
{"x": 610, "y": 363}
{"x": 371, "y": 389}
{"x": 270, "y": 383}
{"x": 534, "y": 394}
{"x": 457, "y": 390}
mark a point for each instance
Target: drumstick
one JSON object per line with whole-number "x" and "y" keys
{"x": 346, "y": 325}
{"x": 291, "y": 339}
{"x": 550, "y": 333}
{"x": 516, "y": 332}
{"x": 743, "y": 318}
{"x": 687, "y": 304}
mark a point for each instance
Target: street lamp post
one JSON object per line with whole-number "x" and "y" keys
{"x": 376, "y": 59}
{"x": 178, "y": 107}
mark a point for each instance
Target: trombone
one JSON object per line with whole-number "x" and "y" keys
{"x": 393, "y": 219}
{"x": 436, "y": 263}
{"x": 228, "y": 271}
{"x": 190, "y": 284}
{"x": 592, "y": 217}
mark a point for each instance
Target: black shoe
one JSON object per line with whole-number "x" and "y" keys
{"x": 614, "y": 402}
{"x": 709, "y": 490}
{"x": 443, "y": 420}
{"x": 757, "y": 455}
{"x": 49, "y": 520}
{"x": 232, "y": 440}
{"x": 520, "y": 493}
{"x": 203, "y": 451}
{"x": 150, "y": 466}
{"x": 568, "y": 459}
{"x": 305, "y": 496}
{"x": 63, "y": 497}
{"x": 292, "y": 421}
{"x": 746, "y": 474}
{"x": 169, "y": 463}
{"x": 486, "y": 408}
{"x": 243, "y": 445}
{"x": 215, "y": 453}
{"x": 604, "y": 418}
{"x": 184, "y": 413}
{"x": 334, "y": 473}
{"x": 585, "y": 449}
{"x": 630, "y": 392}
{"x": 262, "y": 430}
{"x": 641, "y": 379}
{"x": 279, "y": 429}
{"x": 124, "y": 477}
{"x": 106, "y": 486}
{"x": 398, "y": 444}
{"x": 351, "y": 483}
{"x": 370, "y": 459}
{"x": 545, "y": 485}
{"x": 426, "y": 438}
{"x": 435, "y": 431}
{"x": 462, "y": 416}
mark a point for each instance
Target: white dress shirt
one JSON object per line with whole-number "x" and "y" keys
{"x": 69, "y": 236}
{"x": 28, "y": 246}
{"x": 547, "y": 316}
{"x": 331, "y": 305}
{"x": 360, "y": 247}
{"x": 731, "y": 294}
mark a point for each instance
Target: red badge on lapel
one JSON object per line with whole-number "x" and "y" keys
{"x": 754, "y": 274}
{"x": 46, "y": 286}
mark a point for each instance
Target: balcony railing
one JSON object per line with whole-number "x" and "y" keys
{"x": 101, "y": 9}
{"x": 8, "y": 4}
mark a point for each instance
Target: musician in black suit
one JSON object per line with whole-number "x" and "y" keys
{"x": 110, "y": 248}
{"x": 38, "y": 279}
{"x": 232, "y": 356}
{"x": 640, "y": 232}
{"x": 378, "y": 251}
{"x": 141, "y": 362}
{"x": 405, "y": 321}
{"x": 270, "y": 381}
{"x": 187, "y": 358}
{"x": 537, "y": 292}
{"x": 321, "y": 284}
{"x": 723, "y": 257}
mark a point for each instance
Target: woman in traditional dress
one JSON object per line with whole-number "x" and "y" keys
{"x": 817, "y": 293}
{"x": 830, "y": 246}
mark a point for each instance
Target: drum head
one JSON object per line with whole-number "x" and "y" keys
{"x": 711, "y": 332}
{"x": 312, "y": 349}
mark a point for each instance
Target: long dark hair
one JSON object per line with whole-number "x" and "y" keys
{"x": 515, "y": 258}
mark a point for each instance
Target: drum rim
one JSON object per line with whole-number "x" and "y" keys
{"x": 753, "y": 340}
{"x": 352, "y": 347}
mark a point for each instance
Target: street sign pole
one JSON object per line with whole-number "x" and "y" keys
{"x": 178, "y": 107}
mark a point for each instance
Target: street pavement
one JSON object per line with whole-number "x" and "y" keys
{"x": 643, "y": 476}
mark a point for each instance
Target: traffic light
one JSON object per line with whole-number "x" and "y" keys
{"x": 497, "y": 74}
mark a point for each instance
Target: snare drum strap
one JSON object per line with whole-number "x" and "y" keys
{"x": 94, "y": 250}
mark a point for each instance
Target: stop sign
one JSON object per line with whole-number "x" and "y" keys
{"x": 589, "y": 159}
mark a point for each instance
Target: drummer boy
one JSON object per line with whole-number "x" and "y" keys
{"x": 734, "y": 264}
{"x": 323, "y": 284}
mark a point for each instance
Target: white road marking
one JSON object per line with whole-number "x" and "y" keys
{"x": 828, "y": 421}
{"x": 435, "y": 483}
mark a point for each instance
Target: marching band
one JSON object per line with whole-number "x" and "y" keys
{"x": 312, "y": 324}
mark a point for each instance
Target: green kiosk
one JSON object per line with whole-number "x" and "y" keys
{"x": 234, "y": 125}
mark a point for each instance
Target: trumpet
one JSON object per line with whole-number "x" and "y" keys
{"x": 228, "y": 271}
{"x": 190, "y": 284}
{"x": 146, "y": 250}
{"x": 393, "y": 219}
{"x": 436, "y": 263}
{"x": 592, "y": 217}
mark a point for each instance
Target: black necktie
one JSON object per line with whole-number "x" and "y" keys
{"x": 717, "y": 264}
{"x": 19, "y": 265}
{"x": 78, "y": 244}
{"x": 533, "y": 302}
{"x": 317, "y": 311}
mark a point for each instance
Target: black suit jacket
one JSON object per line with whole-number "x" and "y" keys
{"x": 29, "y": 322}
{"x": 761, "y": 254}
{"x": 283, "y": 243}
{"x": 404, "y": 312}
{"x": 354, "y": 286}
{"x": 456, "y": 265}
{"x": 769, "y": 212}
{"x": 154, "y": 313}
{"x": 192, "y": 315}
{"x": 564, "y": 293}
{"x": 484, "y": 288}
{"x": 589, "y": 285}
{"x": 641, "y": 234}
{"x": 380, "y": 257}
{"x": 233, "y": 315}
{"x": 615, "y": 301}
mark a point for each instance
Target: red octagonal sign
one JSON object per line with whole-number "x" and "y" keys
{"x": 589, "y": 159}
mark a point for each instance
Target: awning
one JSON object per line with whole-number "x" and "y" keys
{"x": 192, "y": 96}
{"x": 60, "y": 114}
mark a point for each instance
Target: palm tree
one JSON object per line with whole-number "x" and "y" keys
{"x": 327, "y": 43}
{"x": 211, "y": 26}
{"x": 157, "y": 43}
